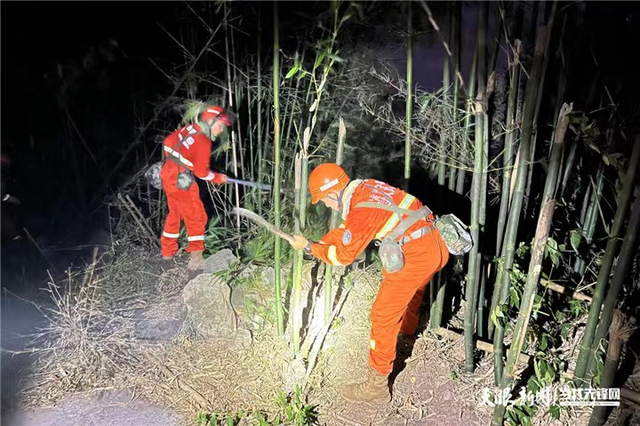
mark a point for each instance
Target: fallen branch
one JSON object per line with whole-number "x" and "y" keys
{"x": 138, "y": 221}
{"x": 488, "y": 347}
{"x": 563, "y": 290}
{"x": 142, "y": 218}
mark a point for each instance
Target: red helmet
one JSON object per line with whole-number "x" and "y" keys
{"x": 212, "y": 112}
{"x": 325, "y": 178}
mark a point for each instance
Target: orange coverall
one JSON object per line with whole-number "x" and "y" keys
{"x": 396, "y": 308}
{"x": 192, "y": 150}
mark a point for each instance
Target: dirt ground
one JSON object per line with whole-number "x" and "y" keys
{"x": 170, "y": 382}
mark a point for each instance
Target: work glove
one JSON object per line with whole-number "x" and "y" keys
{"x": 299, "y": 242}
{"x": 219, "y": 178}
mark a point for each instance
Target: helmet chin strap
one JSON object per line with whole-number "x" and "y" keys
{"x": 338, "y": 199}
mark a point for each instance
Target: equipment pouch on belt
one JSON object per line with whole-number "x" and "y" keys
{"x": 391, "y": 256}
{"x": 153, "y": 175}
{"x": 185, "y": 180}
{"x": 455, "y": 235}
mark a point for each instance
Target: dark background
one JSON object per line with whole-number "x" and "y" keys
{"x": 94, "y": 64}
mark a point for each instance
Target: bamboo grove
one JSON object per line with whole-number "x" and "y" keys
{"x": 505, "y": 140}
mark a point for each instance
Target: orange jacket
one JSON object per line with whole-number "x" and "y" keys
{"x": 361, "y": 225}
{"x": 192, "y": 149}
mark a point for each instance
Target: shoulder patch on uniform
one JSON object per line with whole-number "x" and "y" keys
{"x": 346, "y": 237}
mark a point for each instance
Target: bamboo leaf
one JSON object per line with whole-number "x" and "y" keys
{"x": 576, "y": 238}
{"x": 292, "y": 72}
{"x": 554, "y": 410}
{"x": 313, "y": 106}
{"x": 345, "y": 18}
{"x": 319, "y": 60}
{"x": 551, "y": 251}
{"x": 336, "y": 58}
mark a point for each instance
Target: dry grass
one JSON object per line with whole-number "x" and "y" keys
{"x": 91, "y": 344}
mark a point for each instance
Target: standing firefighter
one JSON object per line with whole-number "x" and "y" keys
{"x": 187, "y": 153}
{"x": 372, "y": 210}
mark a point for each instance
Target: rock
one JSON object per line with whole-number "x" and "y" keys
{"x": 209, "y": 310}
{"x": 296, "y": 373}
{"x": 161, "y": 322}
{"x": 219, "y": 261}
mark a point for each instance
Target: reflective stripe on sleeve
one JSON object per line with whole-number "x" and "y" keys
{"x": 196, "y": 238}
{"x": 332, "y": 254}
{"x": 168, "y": 235}
{"x": 210, "y": 176}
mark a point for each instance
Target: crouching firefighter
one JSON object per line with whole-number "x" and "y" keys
{"x": 412, "y": 250}
{"x": 187, "y": 152}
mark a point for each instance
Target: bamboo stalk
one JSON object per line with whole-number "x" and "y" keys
{"x": 230, "y": 100}
{"x": 467, "y": 120}
{"x": 625, "y": 260}
{"x": 537, "y": 254}
{"x": 526, "y": 306}
{"x": 607, "y": 263}
{"x": 442, "y": 160}
{"x": 504, "y": 286}
{"x": 473, "y": 272}
{"x": 590, "y": 221}
{"x": 456, "y": 40}
{"x": 509, "y": 142}
{"x": 508, "y": 182}
{"x": 437, "y": 288}
{"x": 409, "y": 100}
{"x": 333, "y": 223}
{"x": 302, "y": 165}
{"x": 276, "y": 167}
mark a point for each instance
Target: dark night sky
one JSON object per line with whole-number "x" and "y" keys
{"x": 37, "y": 36}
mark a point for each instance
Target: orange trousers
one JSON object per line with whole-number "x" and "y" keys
{"x": 188, "y": 206}
{"x": 397, "y": 305}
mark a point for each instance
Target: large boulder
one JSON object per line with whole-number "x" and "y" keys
{"x": 220, "y": 261}
{"x": 162, "y": 321}
{"x": 209, "y": 311}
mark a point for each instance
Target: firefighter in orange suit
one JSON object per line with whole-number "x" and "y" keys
{"x": 396, "y": 308}
{"x": 187, "y": 153}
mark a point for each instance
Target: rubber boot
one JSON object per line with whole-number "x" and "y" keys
{"x": 167, "y": 262}
{"x": 196, "y": 262}
{"x": 374, "y": 389}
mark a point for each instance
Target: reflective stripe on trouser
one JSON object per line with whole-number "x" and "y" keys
{"x": 187, "y": 206}
{"x": 397, "y": 306}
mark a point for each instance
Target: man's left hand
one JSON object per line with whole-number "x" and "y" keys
{"x": 299, "y": 242}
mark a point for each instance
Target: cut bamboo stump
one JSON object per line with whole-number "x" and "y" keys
{"x": 630, "y": 394}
